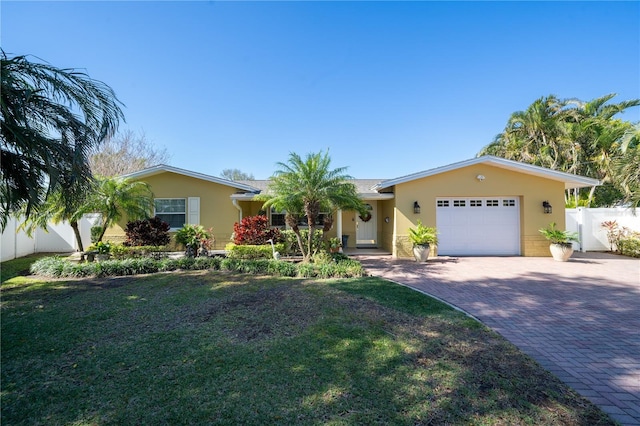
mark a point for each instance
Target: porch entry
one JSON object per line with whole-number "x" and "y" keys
{"x": 367, "y": 226}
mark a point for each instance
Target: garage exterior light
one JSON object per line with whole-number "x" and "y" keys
{"x": 416, "y": 207}
{"x": 547, "y": 207}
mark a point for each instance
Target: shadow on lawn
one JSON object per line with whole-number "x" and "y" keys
{"x": 214, "y": 348}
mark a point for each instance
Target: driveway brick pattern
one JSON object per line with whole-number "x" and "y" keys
{"x": 579, "y": 319}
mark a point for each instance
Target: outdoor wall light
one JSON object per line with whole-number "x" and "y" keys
{"x": 480, "y": 177}
{"x": 386, "y": 219}
{"x": 416, "y": 207}
{"x": 547, "y": 207}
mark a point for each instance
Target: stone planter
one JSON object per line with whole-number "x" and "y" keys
{"x": 421, "y": 252}
{"x": 102, "y": 257}
{"x": 561, "y": 252}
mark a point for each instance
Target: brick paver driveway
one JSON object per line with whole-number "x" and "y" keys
{"x": 579, "y": 319}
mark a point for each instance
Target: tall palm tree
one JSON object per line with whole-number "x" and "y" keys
{"x": 627, "y": 166}
{"x": 568, "y": 135}
{"x": 50, "y": 118}
{"x": 307, "y": 187}
{"x": 116, "y": 198}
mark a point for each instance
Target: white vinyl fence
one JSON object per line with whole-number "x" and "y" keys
{"x": 58, "y": 238}
{"x": 588, "y": 224}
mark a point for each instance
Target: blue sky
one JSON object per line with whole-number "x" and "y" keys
{"x": 390, "y": 88}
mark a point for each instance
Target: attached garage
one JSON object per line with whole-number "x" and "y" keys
{"x": 486, "y": 206}
{"x": 478, "y": 226}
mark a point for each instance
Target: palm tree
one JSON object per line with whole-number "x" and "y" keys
{"x": 626, "y": 168}
{"x": 568, "y": 135}
{"x": 50, "y": 118}
{"x": 116, "y": 198}
{"x": 308, "y": 187}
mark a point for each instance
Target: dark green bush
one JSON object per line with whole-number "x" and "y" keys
{"x": 253, "y": 251}
{"x": 282, "y": 268}
{"x": 57, "y": 267}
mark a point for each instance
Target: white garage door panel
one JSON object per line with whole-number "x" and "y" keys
{"x": 478, "y": 226}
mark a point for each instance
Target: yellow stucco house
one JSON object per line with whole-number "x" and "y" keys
{"x": 485, "y": 206}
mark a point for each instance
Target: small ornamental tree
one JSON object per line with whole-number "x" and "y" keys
{"x": 254, "y": 230}
{"x": 147, "y": 232}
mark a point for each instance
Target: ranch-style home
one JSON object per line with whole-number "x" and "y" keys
{"x": 484, "y": 206}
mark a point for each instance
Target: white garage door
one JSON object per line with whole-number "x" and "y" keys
{"x": 478, "y": 226}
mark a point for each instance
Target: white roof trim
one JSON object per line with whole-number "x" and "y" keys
{"x": 161, "y": 168}
{"x": 363, "y": 196}
{"x": 379, "y": 196}
{"x": 571, "y": 181}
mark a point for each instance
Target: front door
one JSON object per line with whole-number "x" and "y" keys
{"x": 366, "y": 226}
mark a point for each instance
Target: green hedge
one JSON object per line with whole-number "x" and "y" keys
{"x": 58, "y": 267}
{"x": 247, "y": 251}
{"x": 629, "y": 246}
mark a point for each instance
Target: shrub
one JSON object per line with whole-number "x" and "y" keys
{"x": 57, "y": 267}
{"x": 291, "y": 242}
{"x": 147, "y": 232}
{"x": 196, "y": 240}
{"x": 629, "y": 245}
{"x": 254, "y": 230}
{"x": 322, "y": 258}
{"x": 103, "y": 247}
{"x": 253, "y": 251}
{"x": 282, "y": 268}
{"x": 119, "y": 251}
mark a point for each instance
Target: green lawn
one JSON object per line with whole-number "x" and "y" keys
{"x": 216, "y": 348}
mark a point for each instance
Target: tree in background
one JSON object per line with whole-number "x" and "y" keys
{"x": 572, "y": 136}
{"x": 308, "y": 187}
{"x": 115, "y": 198}
{"x": 124, "y": 153}
{"x": 50, "y": 119}
{"x": 627, "y": 167}
{"x": 235, "y": 174}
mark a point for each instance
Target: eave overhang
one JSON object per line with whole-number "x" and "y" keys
{"x": 569, "y": 180}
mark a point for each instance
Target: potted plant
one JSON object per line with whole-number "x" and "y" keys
{"x": 422, "y": 238}
{"x": 334, "y": 244}
{"x": 103, "y": 250}
{"x": 560, "y": 242}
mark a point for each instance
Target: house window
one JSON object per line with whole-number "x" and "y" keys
{"x": 172, "y": 210}
{"x": 319, "y": 220}
{"x": 493, "y": 203}
{"x": 443, "y": 203}
{"x": 277, "y": 218}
